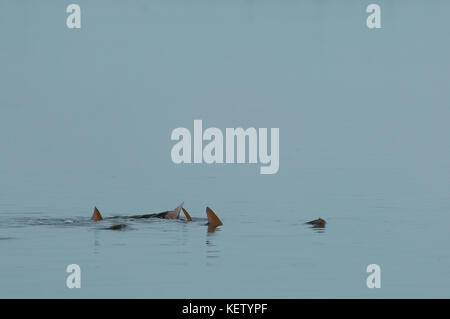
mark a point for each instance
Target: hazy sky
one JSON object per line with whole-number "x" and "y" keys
{"x": 90, "y": 111}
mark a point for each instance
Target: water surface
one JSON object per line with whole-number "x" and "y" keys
{"x": 86, "y": 117}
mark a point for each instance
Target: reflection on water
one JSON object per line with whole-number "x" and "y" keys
{"x": 96, "y": 242}
{"x": 318, "y": 229}
{"x": 211, "y": 247}
{"x": 211, "y": 229}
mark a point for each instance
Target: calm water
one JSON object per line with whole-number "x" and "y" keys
{"x": 86, "y": 117}
{"x": 259, "y": 252}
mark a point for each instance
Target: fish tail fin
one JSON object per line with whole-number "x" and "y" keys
{"x": 213, "y": 220}
{"x": 188, "y": 217}
{"x": 175, "y": 214}
{"x": 97, "y": 216}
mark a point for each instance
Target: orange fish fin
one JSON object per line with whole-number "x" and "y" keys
{"x": 213, "y": 220}
{"x": 97, "y": 216}
{"x": 188, "y": 217}
{"x": 175, "y": 214}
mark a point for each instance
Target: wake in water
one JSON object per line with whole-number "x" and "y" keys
{"x": 212, "y": 220}
{"x": 117, "y": 222}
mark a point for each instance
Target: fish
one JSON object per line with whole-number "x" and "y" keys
{"x": 188, "y": 217}
{"x": 213, "y": 220}
{"x": 96, "y": 216}
{"x": 117, "y": 227}
{"x": 317, "y": 223}
{"x": 174, "y": 214}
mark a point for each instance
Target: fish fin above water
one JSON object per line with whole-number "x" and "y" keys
{"x": 318, "y": 223}
{"x": 188, "y": 217}
{"x": 213, "y": 220}
{"x": 96, "y": 216}
{"x": 175, "y": 214}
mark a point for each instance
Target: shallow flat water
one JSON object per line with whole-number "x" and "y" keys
{"x": 254, "y": 254}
